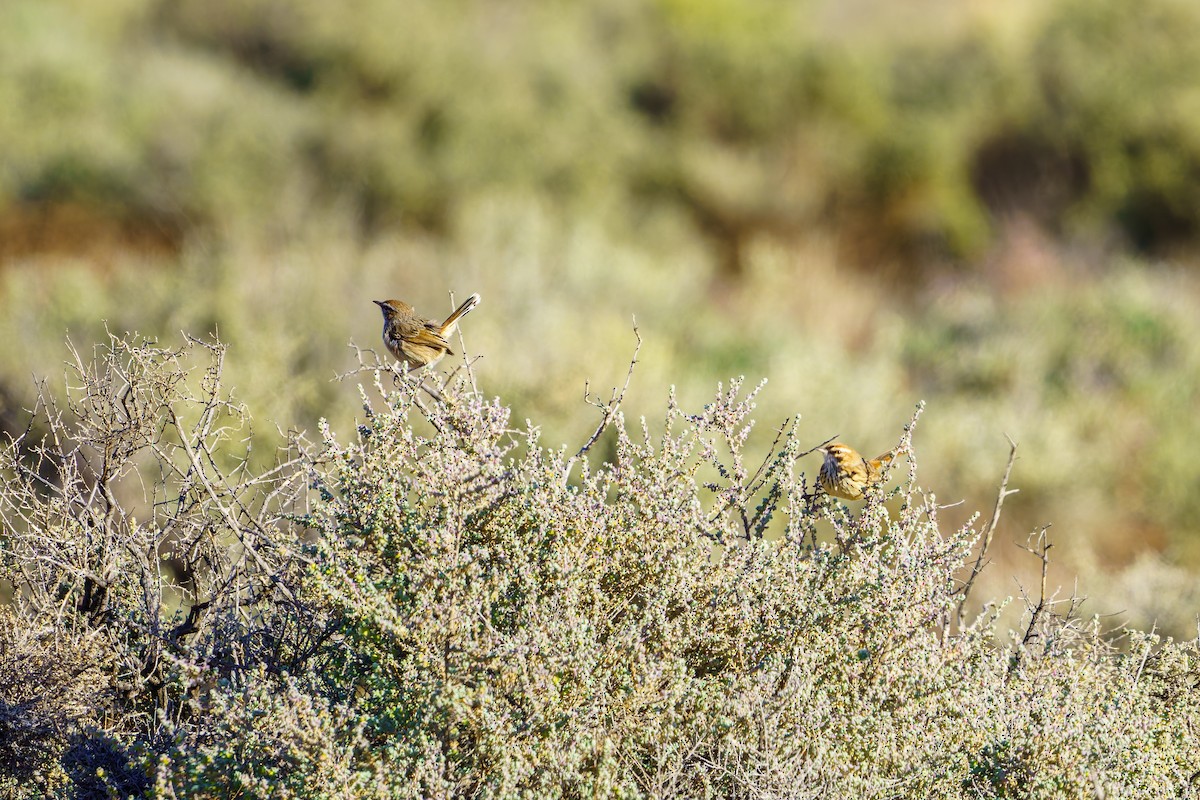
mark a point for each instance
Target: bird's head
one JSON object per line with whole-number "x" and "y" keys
{"x": 835, "y": 452}
{"x": 394, "y": 308}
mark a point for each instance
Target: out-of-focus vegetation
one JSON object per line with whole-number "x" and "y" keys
{"x": 997, "y": 211}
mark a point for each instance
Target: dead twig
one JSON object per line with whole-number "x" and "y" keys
{"x": 988, "y": 530}
{"x": 608, "y": 409}
{"x": 1037, "y": 611}
{"x": 468, "y": 362}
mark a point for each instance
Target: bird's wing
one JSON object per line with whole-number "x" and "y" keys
{"x": 429, "y": 336}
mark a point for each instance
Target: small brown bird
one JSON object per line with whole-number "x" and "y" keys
{"x": 415, "y": 341}
{"x": 846, "y": 474}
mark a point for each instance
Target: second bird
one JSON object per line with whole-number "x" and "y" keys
{"x": 847, "y": 474}
{"x": 416, "y": 341}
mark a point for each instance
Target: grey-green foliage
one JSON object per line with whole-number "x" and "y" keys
{"x": 456, "y": 611}
{"x": 514, "y": 632}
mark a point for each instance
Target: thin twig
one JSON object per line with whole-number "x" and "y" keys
{"x": 989, "y": 529}
{"x": 363, "y": 365}
{"x": 1146, "y": 655}
{"x": 768, "y": 458}
{"x": 467, "y": 364}
{"x": 462, "y": 345}
{"x": 609, "y": 408}
{"x": 729, "y": 498}
{"x": 433, "y": 393}
{"x": 818, "y": 447}
{"x": 238, "y": 530}
{"x": 1037, "y": 611}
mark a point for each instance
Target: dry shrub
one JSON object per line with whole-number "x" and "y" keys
{"x": 442, "y": 607}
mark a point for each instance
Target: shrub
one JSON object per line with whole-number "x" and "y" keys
{"x": 442, "y": 607}
{"x": 142, "y": 561}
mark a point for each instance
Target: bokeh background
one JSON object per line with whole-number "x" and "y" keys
{"x": 994, "y": 208}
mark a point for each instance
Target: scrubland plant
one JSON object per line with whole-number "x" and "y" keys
{"x": 143, "y": 562}
{"x": 633, "y": 632}
{"x": 440, "y": 606}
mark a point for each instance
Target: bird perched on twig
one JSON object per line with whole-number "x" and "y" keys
{"x": 846, "y": 474}
{"x": 416, "y": 341}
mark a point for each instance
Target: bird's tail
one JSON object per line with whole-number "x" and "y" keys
{"x": 887, "y": 457}
{"x": 461, "y": 311}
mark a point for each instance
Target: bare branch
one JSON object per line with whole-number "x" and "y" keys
{"x": 1038, "y": 610}
{"x": 758, "y": 473}
{"x": 462, "y": 348}
{"x": 988, "y": 530}
{"x": 608, "y": 409}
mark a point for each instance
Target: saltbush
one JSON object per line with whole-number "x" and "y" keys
{"x": 440, "y": 606}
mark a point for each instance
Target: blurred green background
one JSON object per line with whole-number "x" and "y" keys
{"x": 991, "y": 207}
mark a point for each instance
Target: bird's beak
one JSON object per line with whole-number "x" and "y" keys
{"x": 380, "y": 303}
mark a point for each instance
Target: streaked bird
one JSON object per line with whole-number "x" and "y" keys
{"x": 416, "y": 341}
{"x": 846, "y": 474}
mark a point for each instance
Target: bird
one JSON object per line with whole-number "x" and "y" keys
{"x": 416, "y": 341}
{"x": 845, "y": 473}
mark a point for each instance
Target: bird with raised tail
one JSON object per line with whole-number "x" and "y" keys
{"x": 416, "y": 341}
